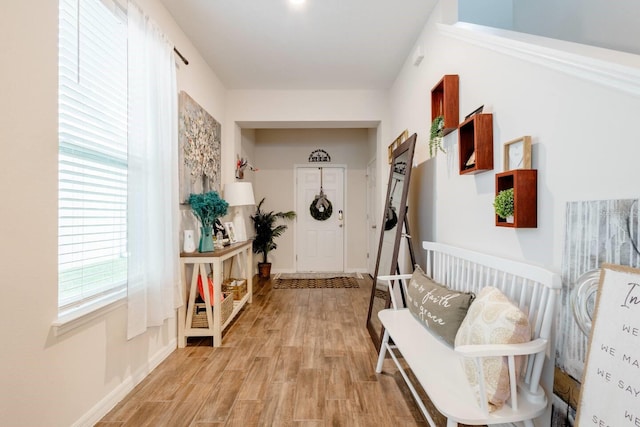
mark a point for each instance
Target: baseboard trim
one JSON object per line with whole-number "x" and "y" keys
{"x": 100, "y": 409}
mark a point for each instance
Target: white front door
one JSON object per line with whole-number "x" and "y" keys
{"x": 320, "y": 243}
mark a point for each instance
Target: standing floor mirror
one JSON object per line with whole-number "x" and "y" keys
{"x": 391, "y": 234}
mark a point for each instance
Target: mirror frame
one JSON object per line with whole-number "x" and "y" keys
{"x": 408, "y": 146}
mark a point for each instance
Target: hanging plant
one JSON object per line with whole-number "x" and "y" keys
{"x": 503, "y": 203}
{"x": 437, "y": 133}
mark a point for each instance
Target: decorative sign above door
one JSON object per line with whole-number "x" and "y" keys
{"x": 319, "y": 156}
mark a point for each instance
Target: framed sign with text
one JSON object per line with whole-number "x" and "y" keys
{"x": 610, "y": 391}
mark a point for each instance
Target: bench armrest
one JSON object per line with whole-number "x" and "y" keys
{"x": 484, "y": 350}
{"x": 398, "y": 278}
{"x": 510, "y": 351}
{"x": 395, "y": 277}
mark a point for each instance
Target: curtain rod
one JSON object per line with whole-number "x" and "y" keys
{"x": 180, "y": 55}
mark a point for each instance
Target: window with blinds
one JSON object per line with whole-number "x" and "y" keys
{"x": 92, "y": 162}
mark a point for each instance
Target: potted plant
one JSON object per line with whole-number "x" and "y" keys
{"x": 503, "y": 204}
{"x": 435, "y": 138}
{"x": 207, "y": 207}
{"x": 266, "y": 232}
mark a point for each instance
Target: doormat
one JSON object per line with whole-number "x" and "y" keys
{"x": 331, "y": 282}
{"x": 325, "y": 275}
{"x": 381, "y": 294}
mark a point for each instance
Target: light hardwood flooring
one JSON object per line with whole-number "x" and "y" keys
{"x": 295, "y": 357}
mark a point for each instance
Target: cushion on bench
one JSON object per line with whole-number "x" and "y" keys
{"x": 493, "y": 319}
{"x": 439, "y": 308}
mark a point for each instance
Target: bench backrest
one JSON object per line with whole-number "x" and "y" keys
{"x": 533, "y": 288}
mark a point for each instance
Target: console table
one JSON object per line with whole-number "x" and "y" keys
{"x": 243, "y": 253}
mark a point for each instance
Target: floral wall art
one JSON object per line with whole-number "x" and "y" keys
{"x": 199, "y": 148}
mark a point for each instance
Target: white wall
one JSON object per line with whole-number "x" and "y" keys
{"x": 248, "y": 150}
{"x": 584, "y": 141}
{"x": 48, "y": 380}
{"x": 305, "y": 109}
{"x": 329, "y": 109}
{"x": 493, "y": 13}
{"x": 278, "y": 150}
{"x": 581, "y": 118}
{"x": 593, "y": 22}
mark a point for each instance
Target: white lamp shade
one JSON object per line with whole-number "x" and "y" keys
{"x": 239, "y": 194}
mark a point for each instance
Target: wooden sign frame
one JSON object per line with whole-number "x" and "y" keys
{"x": 610, "y": 390}
{"x": 396, "y": 143}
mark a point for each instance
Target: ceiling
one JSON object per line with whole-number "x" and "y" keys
{"x": 321, "y": 44}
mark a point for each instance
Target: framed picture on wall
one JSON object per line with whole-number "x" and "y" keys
{"x": 517, "y": 154}
{"x": 199, "y": 139}
{"x": 231, "y": 232}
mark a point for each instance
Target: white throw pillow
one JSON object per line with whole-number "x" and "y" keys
{"x": 493, "y": 319}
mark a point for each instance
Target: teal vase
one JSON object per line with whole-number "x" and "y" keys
{"x": 206, "y": 240}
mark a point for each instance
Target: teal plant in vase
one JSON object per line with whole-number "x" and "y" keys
{"x": 207, "y": 208}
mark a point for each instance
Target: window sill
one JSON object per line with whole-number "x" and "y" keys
{"x": 78, "y": 316}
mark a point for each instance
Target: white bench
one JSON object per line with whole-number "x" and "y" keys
{"x": 438, "y": 367}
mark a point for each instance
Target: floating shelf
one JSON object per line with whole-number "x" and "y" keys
{"x": 525, "y": 197}
{"x": 444, "y": 102}
{"x": 475, "y": 144}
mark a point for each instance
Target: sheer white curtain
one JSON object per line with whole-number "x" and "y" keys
{"x": 153, "y": 188}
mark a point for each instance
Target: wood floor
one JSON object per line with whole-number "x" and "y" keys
{"x": 295, "y": 357}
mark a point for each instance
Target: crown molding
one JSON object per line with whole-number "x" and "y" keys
{"x": 618, "y": 70}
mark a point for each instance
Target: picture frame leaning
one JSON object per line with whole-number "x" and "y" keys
{"x": 231, "y": 232}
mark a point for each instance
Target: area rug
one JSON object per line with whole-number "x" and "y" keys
{"x": 318, "y": 282}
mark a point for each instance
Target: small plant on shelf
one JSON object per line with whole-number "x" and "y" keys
{"x": 437, "y": 133}
{"x": 503, "y": 203}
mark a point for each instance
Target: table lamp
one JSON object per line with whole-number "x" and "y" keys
{"x": 239, "y": 194}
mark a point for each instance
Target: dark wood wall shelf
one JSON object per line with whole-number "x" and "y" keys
{"x": 445, "y": 102}
{"x": 475, "y": 144}
{"x": 525, "y": 197}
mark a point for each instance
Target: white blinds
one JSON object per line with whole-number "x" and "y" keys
{"x": 92, "y": 180}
